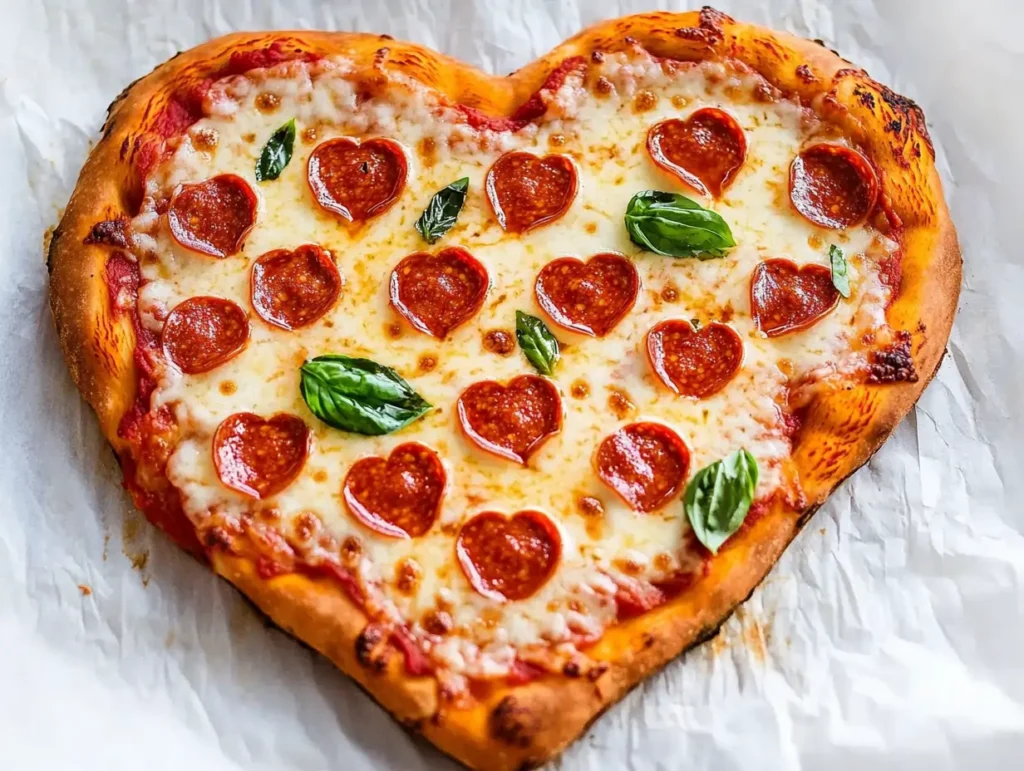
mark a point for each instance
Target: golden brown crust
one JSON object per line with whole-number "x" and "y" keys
{"x": 523, "y": 726}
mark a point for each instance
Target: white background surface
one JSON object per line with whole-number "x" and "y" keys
{"x": 890, "y": 636}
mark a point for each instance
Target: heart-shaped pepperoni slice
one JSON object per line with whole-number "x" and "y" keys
{"x": 399, "y": 496}
{"x": 291, "y": 289}
{"x": 705, "y": 150}
{"x": 511, "y": 421}
{"x": 437, "y": 293}
{"x": 589, "y": 297}
{"x": 693, "y": 362}
{"x": 526, "y": 191}
{"x": 357, "y": 180}
{"x": 645, "y": 463}
{"x": 785, "y": 298}
{"x": 833, "y": 186}
{"x": 213, "y": 217}
{"x": 258, "y": 457}
{"x": 204, "y": 332}
{"x": 508, "y": 558}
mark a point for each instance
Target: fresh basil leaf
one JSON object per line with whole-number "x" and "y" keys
{"x": 538, "y": 344}
{"x": 840, "y": 270}
{"x": 719, "y": 496}
{"x": 676, "y": 226}
{"x": 276, "y": 152}
{"x": 442, "y": 211}
{"x": 359, "y": 395}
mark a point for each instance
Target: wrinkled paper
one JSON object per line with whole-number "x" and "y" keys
{"x": 889, "y": 636}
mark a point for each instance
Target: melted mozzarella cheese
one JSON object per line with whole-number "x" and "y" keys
{"x": 605, "y": 383}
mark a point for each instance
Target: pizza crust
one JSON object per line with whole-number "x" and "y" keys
{"x": 519, "y": 727}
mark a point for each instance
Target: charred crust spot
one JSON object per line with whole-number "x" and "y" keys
{"x": 572, "y": 669}
{"x": 380, "y": 55}
{"x": 125, "y": 146}
{"x": 865, "y": 96}
{"x": 595, "y": 672}
{"x": 513, "y": 723}
{"x": 596, "y": 57}
{"x": 110, "y": 233}
{"x": 386, "y": 37}
{"x": 414, "y": 725}
{"x": 371, "y": 648}
{"x": 894, "y": 363}
{"x": 217, "y": 537}
{"x": 709, "y": 27}
{"x": 647, "y": 640}
{"x": 905, "y": 118}
{"x": 804, "y": 73}
{"x": 824, "y": 45}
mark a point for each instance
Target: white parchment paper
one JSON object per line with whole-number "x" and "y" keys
{"x": 890, "y": 636}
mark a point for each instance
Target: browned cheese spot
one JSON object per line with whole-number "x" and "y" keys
{"x": 407, "y": 575}
{"x": 619, "y": 402}
{"x": 644, "y": 101}
{"x": 499, "y": 341}
{"x": 267, "y": 101}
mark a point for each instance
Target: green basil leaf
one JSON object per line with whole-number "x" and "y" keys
{"x": 840, "y": 270}
{"x": 359, "y": 395}
{"x": 676, "y": 226}
{"x": 539, "y": 345}
{"x": 276, "y": 152}
{"x": 719, "y": 496}
{"x": 442, "y": 211}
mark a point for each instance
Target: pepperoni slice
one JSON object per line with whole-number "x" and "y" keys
{"x": 833, "y": 186}
{"x": 213, "y": 217}
{"x": 691, "y": 362}
{"x": 437, "y": 293}
{"x": 258, "y": 457}
{"x": 645, "y": 463}
{"x": 291, "y": 289}
{"x": 508, "y": 558}
{"x": 357, "y": 180}
{"x": 785, "y": 298}
{"x": 398, "y": 496}
{"x": 514, "y": 420}
{"x": 204, "y": 332}
{"x": 526, "y": 191}
{"x": 589, "y": 297}
{"x": 705, "y": 150}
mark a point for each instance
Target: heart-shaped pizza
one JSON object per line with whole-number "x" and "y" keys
{"x": 502, "y": 392}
